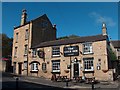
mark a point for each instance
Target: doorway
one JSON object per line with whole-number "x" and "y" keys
{"x": 76, "y": 70}
{"x": 19, "y": 68}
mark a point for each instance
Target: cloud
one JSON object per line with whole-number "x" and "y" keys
{"x": 100, "y": 19}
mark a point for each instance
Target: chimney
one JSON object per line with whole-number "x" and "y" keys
{"x": 54, "y": 26}
{"x": 23, "y": 17}
{"x": 104, "y": 29}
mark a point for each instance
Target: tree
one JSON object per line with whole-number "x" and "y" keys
{"x": 6, "y": 46}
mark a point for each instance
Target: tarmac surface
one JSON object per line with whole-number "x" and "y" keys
{"x": 33, "y": 83}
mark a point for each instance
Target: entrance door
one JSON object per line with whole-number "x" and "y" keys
{"x": 76, "y": 70}
{"x": 14, "y": 67}
{"x": 20, "y": 68}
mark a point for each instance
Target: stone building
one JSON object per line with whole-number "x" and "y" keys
{"x": 115, "y": 46}
{"x": 37, "y": 52}
{"x": 28, "y": 34}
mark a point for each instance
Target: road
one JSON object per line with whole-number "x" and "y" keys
{"x": 26, "y": 83}
{"x": 9, "y": 82}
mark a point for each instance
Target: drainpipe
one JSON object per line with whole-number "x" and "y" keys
{"x": 28, "y": 48}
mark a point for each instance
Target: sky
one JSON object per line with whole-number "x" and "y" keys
{"x": 78, "y": 18}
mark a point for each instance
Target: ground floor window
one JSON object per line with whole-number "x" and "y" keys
{"x": 55, "y": 65}
{"x": 34, "y": 67}
{"x": 88, "y": 64}
{"x": 25, "y": 65}
{"x": 44, "y": 66}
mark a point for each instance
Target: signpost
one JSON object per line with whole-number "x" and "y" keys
{"x": 71, "y": 51}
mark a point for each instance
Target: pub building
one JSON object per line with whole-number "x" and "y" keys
{"x": 35, "y": 54}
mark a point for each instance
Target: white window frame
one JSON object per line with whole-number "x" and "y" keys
{"x": 87, "y": 48}
{"x": 34, "y": 67}
{"x": 56, "y": 66}
{"x": 56, "y": 52}
{"x": 88, "y": 64}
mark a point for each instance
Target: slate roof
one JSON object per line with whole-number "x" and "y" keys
{"x": 72, "y": 41}
{"x": 116, "y": 43}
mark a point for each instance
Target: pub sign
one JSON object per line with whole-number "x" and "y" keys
{"x": 71, "y": 51}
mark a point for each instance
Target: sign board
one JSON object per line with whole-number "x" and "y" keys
{"x": 71, "y": 51}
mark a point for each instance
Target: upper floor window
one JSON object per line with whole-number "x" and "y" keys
{"x": 26, "y": 34}
{"x": 87, "y": 48}
{"x": 16, "y": 37}
{"x": 15, "y": 53}
{"x": 88, "y": 64}
{"x": 34, "y": 52}
{"x": 44, "y": 66}
{"x": 26, "y": 47}
{"x": 55, "y": 51}
{"x": 118, "y": 49}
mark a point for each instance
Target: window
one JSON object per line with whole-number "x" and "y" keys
{"x": 16, "y": 37}
{"x": 25, "y": 52}
{"x": 44, "y": 66}
{"x": 34, "y": 67}
{"x": 55, "y": 51}
{"x": 88, "y": 64}
{"x": 87, "y": 48}
{"x": 118, "y": 49}
{"x": 34, "y": 53}
{"x": 56, "y": 66}
{"x": 15, "y": 54}
{"x": 25, "y": 65}
{"x": 26, "y": 34}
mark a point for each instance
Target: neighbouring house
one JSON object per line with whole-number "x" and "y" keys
{"x": 37, "y": 52}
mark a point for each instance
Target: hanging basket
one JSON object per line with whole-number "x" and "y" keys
{"x": 105, "y": 71}
{"x": 66, "y": 71}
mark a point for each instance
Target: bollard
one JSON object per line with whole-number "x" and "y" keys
{"x": 17, "y": 83}
{"x": 92, "y": 84}
{"x": 66, "y": 82}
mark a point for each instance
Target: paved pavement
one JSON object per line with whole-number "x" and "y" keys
{"x": 79, "y": 86}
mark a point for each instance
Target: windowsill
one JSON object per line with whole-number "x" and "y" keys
{"x": 88, "y": 53}
{"x": 25, "y": 55}
{"x": 55, "y": 56}
{"x": 15, "y": 56}
{"x": 34, "y": 56}
{"x": 34, "y": 71}
{"x": 26, "y": 39}
{"x": 88, "y": 71}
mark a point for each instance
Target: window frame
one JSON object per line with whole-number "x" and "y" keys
{"x": 26, "y": 34}
{"x": 55, "y": 65}
{"x": 88, "y": 64}
{"x": 15, "y": 52}
{"x": 34, "y": 52}
{"x": 89, "y": 46}
{"x": 25, "y": 49}
{"x": 44, "y": 66}
{"x": 16, "y": 37}
{"x": 25, "y": 65}
{"x": 34, "y": 66}
{"x": 54, "y": 51}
